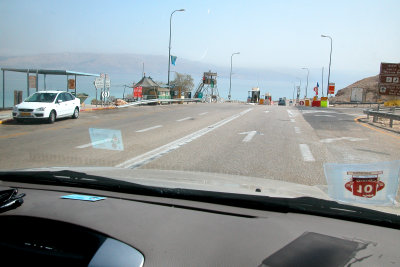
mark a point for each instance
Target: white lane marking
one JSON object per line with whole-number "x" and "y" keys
{"x": 249, "y": 136}
{"x": 297, "y": 130}
{"x": 317, "y": 111}
{"x": 95, "y": 143}
{"x": 184, "y": 119}
{"x": 352, "y": 139}
{"x": 156, "y": 153}
{"x": 266, "y": 111}
{"x": 148, "y": 129}
{"x": 352, "y": 114}
{"x": 204, "y": 113}
{"x": 306, "y": 152}
{"x": 292, "y": 120}
{"x": 325, "y": 116}
{"x": 290, "y": 113}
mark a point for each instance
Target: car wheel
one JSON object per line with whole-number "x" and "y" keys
{"x": 52, "y": 117}
{"x": 76, "y": 113}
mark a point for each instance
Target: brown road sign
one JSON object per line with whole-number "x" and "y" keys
{"x": 71, "y": 84}
{"x": 389, "y": 79}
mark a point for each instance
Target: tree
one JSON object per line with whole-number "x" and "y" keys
{"x": 185, "y": 81}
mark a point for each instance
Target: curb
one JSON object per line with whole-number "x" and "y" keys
{"x": 93, "y": 109}
{"x": 6, "y": 120}
{"x": 82, "y": 110}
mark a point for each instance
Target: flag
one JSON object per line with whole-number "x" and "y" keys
{"x": 317, "y": 85}
{"x": 173, "y": 60}
{"x": 316, "y": 90}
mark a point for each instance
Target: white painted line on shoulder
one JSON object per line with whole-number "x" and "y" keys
{"x": 156, "y": 153}
{"x": 297, "y": 130}
{"x": 148, "y": 129}
{"x": 352, "y": 139}
{"x": 94, "y": 143}
{"x": 204, "y": 113}
{"x": 184, "y": 119}
{"x": 325, "y": 116}
{"x": 306, "y": 152}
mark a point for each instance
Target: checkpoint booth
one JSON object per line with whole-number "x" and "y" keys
{"x": 254, "y": 95}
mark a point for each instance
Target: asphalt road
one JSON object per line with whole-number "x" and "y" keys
{"x": 276, "y": 142}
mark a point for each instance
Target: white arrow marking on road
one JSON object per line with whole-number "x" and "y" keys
{"x": 148, "y": 129}
{"x": 352, "y": 139}
{"x": 249, "y": 136}
{"x": 184, "y": 119}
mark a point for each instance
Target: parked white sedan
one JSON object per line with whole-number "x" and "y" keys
{"x": 47, "y": 105}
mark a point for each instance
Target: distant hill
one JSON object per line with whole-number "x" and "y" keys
{"x": 99, "y": 63}
{"x": 154, "y": 65}
{"x": 370, "y": 86}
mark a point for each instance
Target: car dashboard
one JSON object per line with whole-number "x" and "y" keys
{"x": 138, "y": 230}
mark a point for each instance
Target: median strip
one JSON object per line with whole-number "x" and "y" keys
{"x": 147, "y": 157}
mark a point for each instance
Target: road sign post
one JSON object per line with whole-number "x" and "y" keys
{"x": 99, "y": 84}
{"x": 389, "y": 79}
{"x": 331, "y": 89}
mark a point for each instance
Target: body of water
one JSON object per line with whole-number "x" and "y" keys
{"x": 239, "y": 91}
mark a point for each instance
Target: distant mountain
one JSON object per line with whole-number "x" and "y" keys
{"x": 154, "y": 65}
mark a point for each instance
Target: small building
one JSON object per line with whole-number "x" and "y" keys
{"x": 164, "y": 93}
{"x": 150, "y": 89}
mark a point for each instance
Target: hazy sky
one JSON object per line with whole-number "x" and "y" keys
{"x": 268, "y": 34}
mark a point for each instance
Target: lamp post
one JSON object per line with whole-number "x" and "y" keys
{"x": 308, "y": 72}
{"x": 330, "y": 58}
{"x": 299, "y": 88}
{"x": 230, "y": 76}
{"x": 169, "y": 50}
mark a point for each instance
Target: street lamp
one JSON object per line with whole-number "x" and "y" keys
{"x": 299, "y": 88}
{"x": 330, "y": 58}
{"x": 230, "y": 77}
{"x": 169, "y": 50}
{"x": 308, "y": 72}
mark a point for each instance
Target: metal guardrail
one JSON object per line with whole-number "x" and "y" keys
{"x": 387, "y": 113}
{"x": 160, "y": 100}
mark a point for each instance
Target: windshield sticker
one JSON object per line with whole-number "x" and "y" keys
{"x": 106, "y": 139}
{"x": 83, "y": 197}
{"x": 364, "y": 184}
{"x": 374, "y": 183}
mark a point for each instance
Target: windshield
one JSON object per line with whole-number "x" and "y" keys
{"x": 278, "y": 98}
{"x": 42, "y": 97}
